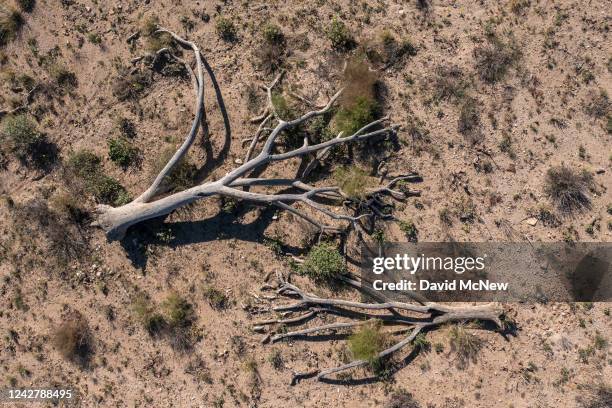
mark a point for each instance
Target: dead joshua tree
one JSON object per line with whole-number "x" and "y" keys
{"x": 236, "y": 183}
{"x": 411, "y": 318}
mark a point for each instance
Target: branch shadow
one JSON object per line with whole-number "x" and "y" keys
{"x": 210, "y": 161}
{"x": 141, "y": 239}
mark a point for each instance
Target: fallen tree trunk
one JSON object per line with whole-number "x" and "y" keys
{"x": 116, "y": 221}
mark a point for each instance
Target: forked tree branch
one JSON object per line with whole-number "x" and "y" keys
{"x": 415, "y": 318}
{"x": 115, "y": 221}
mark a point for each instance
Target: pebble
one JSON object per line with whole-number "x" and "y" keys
{"x": 238, "y": 161}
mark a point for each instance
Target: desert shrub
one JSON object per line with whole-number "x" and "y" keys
{"x": 131, "y": 85}
{"x": 449, "y": 83}
{"x": 126, "y": 128}
{"x": 495, "y": 58}
{"x": 178, "y": 311}
{"x": 55, "y": 233}
{"x": 21, "y": 136}
{"x": 63, "y": 77}
{"x": 10, "y": 24}
{"x": 276, "y": 359}
{"x": 545, "y": 215}
{"x": 145, "y": 312}
{"x": 353, "y": 181}
{"x": 86, "y": 167}
{"x": 367, "y": 342}
{"x": 217, "y": 299}
{"x": 182, "y": 175}
{"x": 324, "y": 262}
{"x": 179, "y": 316}
{"x": 598, "y": 397}
{"x": 410, "y": 230}
{"x": 352, "y": 118}
{"x": 421, "y": 343}
{"x": 226, "y": 29}
{"x": 465, "y": 345}
{"x": 358, "y": 81}
{"x": 568, "y": 189}
{"x": 68, "y": 206}
{"x": 73, "y": 340}
{"x": 273, "y": 34}
{"x": 122, "y": 152}
{"x": 402, "y": 399}
{"x": 340, "y": 36}
{"x": 272, "y": 50}
{"x": 388, "y": 50}
{"x": 26, "y": 5}
{"x": 598, "y": 104}
{"x": 282, "y": 107}
{"x": 358, "y": 105}
{"x": 469, "y": 121}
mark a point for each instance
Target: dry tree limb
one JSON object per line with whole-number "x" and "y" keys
{"x": 116, "y": 221}
{"x": 415, "y": 319}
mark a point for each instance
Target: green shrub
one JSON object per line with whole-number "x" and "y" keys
{"x": 94, "y": 38}
{"x": 226, "y": 29}
{"x": 410, "y": 230}
{"x": 22, "y": 138}
{"x": 272, "y": 50}
{"x": 350, "y": 119}
{"x": 273, "y": 34}
{"x": 10, "y": 24}
{"x": 568, "y": 189}
{"x": 26, "y": 5}
{"x": 87, "y": 168}
{"x": 340, "y": 36}
{"x": 420, "y": 342}
{"x": 21, "y": 134}
{"x": 179, "y": 312}
{"x": 324, "y": 262}
{"x": 216, "y": 298}
{"x": 367, "y": 342}
{"x": 122, "y": 152}
{"x": 145, "y": 312}
{"x": 353, "y": 181}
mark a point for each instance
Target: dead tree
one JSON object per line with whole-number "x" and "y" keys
{"x": 236, "y": 183}
{"x": 409, "y": 319}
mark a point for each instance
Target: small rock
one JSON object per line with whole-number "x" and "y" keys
{"x": 238, "y": 161}
{"x": 600, "y": 171}
{"x": 531, "y": 221}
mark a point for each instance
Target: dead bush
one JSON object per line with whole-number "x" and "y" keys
{"x": 38, "y": 227}
{"x": 402, "y": 399}
{"x": 469, "y": 121}
{"x": 449, "y": 83}
{"x": 568, "y": 189}
{"x": 131, "y": 85}
{"x": 598, "y": 104}
{"x": 73, "y": 340}
{"x": 465, "y": 345}
{"x": 494, "y": 59}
